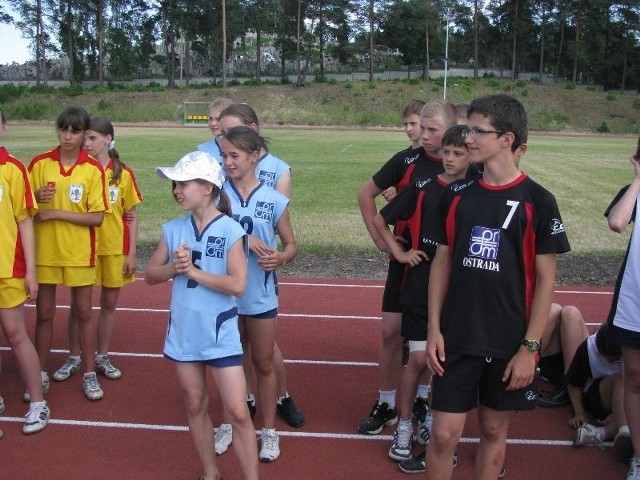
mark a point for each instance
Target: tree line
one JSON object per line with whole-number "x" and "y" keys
{"x": 582, "y": 41}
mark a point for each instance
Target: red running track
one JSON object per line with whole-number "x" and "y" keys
{"x": 329, "y": 333}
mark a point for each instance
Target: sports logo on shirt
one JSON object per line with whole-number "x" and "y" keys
{"x": 268, "y": 178}
{"x": 264, "y": 211}
{"x": 76, "y": 192}
{"x": 114, "y": 192}
{"x": 483, "y": 249}
{"x": 556, "y": 226}
{"x": 215, "y": 247}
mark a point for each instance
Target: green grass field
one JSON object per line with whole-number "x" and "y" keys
{"x": 330, "y": 166}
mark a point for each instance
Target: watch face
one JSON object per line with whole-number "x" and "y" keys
{"x": 532, "y": 345}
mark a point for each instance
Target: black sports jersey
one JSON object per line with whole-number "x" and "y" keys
{"x": 494, "y": 234}
{"x": 403, "y": 169}
{"x": 415, "y": 207}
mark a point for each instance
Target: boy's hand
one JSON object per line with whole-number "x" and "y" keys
{"x": 520, "y": 370}
{"x": 412, "y": 257}
{"x": 435, "y": 353}
{"x": 389, "y": 194}
{"x": 578, "y": 420}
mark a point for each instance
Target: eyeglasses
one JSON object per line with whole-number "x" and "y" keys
{"x": 477, "y": 132}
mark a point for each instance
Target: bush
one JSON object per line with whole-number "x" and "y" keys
{"x": 636, "y": 103}
{"x": 320, "y": 78}
{"x": 493, "y": 83}
{"x": 103, "y": 105}
{"x": 74, "y": 90}
{"x": 604, "y": 128}
{"x": 570, "y": 86}
{"x": 31, "y": 111}
{"x": 253, "y": 82}
{"x": 348, "y": 85}
{"x": 521, "y": 83}
{"x": 10, "y": 92}
{"x": 611, "y": 97}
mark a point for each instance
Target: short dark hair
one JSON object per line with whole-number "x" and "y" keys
{"x": 75, "y": 118}
{"x": 455, "y": 136}
{"x": 506, "y": 114}
{"x": 414, "y": 107}
{"x": 604, "y": 344}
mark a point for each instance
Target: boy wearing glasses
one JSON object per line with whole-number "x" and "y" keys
{"x": 490, "y": 290}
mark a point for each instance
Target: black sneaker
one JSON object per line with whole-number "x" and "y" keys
{"x": 381, "y": 416}
{"x": 418, "y": 464}
{"x": 420, "y": 409}
{"x": 251, "y": 404}
{"x": 415, "y": 464}
{"x": 559, "y": 397}
{"x": 290, "y": 412}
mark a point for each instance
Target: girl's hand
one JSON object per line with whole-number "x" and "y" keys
{"x": 182, "y": 260}
{"x": 31, "y": 286}
{"x": 389, "y": 194}
{"x": 271, "y": 261}
{"x": 46, "y": 193}
{"x": 45, "y": 215}
{"x": 130, "y": 264}
{"x": 129, "y": 216}
{"x": 258, "y": 247}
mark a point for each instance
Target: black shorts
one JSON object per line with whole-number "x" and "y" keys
{"x": 624, "y": 338}
{"x": 470, "y": 380}
{"x": 392, "y": 288}
{"x": 552, "y": 368}
{"x": 592, "y": 401}
{"x": 414, "y": 323}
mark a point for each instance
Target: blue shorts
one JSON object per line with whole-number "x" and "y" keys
{"x": 231, "y": 361}
{"x": 260, "y": 316}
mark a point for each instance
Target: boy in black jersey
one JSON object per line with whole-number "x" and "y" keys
{"x": 490, "y": 290}
{"x": 401, "y": 170}
{"x": 415, "y": 206}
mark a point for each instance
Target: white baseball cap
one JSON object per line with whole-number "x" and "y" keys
{"x": 194, "y": 165}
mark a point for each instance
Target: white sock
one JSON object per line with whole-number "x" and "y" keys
{"x": 36, "y": 404}
{"x": 281, "y": 398}
{"x": 251, "y": 398}
{"x": 601, "y": 433}
{"x": 624, "y": 430}
{"x": 76, "y": 358}
{"x": 44, "y": 376}
{"x": 405, "y": 424}
{"x": 388, "y": 396}
{"x": 423, "y": 391}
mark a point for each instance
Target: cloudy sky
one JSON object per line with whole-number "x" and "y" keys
{"x": 13, "y": 48}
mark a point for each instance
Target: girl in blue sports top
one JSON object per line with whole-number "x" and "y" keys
{"x": 203, "y": 253}
{"x": 262, "y": 212}
{"x": 270, "y": 170}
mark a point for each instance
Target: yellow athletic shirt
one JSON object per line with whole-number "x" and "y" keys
{"x": 80, "y": 188}
{"x": 113, "y": 234}
{"x": 16, "y": 203}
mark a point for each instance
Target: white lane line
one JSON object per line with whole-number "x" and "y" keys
{"x": 282, "y": 433}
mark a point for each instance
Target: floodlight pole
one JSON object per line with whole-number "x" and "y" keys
{"x": 446, "y": 53}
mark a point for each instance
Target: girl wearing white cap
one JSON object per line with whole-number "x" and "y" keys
{"x": 204, "y": 255}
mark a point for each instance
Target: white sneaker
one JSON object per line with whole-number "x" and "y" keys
{"x": 270, "y": 450}
{"x": 634, "y": 469}
{"x": 91, "y": 386}
{"x": 106, "y": 368}
{"x": 222, "y": 438}
{"x": 402, "y": 444}
{"x": 424, "y": 429}
{"x": 587, "y": 434}
{"x": 70, "y": 367}
{"x": 45, "y": 389}
{"x": 36, "y": 419}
